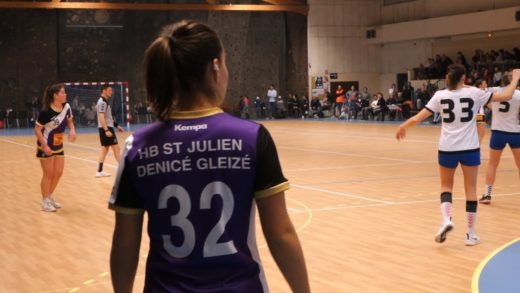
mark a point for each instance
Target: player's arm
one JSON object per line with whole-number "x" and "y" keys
{"x": 124, "y": 256}
{"x": 39, "y": 135}
{"x": 283, "y": 241}
{"x": 401, "y": 130}
{"x": 509, "y": 90}
{"x": 72, "y": 129}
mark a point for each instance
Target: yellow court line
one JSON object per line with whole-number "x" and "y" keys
{"x": 476, "y": 275}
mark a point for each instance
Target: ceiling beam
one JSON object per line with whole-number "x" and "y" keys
{"x": 301, "y": 9}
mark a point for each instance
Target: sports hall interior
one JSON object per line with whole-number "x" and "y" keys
{"x": 366, "y": 206}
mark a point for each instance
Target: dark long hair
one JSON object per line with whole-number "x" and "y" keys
{"x": 48, "y": 94}
{"x": 506, "y": 80}
{"x": 455, "y": 73}
{"x": 177, "y": 63}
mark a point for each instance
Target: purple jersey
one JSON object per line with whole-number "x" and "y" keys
{"x": 197, "y": 176}
{"x": 54, "y": 124}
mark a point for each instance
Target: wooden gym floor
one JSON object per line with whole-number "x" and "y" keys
{"x": 366, "y": 208}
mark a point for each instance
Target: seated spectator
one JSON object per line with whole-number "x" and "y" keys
{"x": 281, "y": 111}
{"x": 258, "y": 108}
{"x": 366, "y": 109}
{"x": 316, "y": 108}
{"x": 394, "y": 108}
{"x": 380, "y": 108}
{"x": 497, "y": 77}
{"x": 304, "y": 106}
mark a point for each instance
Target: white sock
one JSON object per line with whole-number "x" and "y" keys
{"x": 489, "y": 188}
{"x": 472, "y": 218}
{"x": 446, "y": 211}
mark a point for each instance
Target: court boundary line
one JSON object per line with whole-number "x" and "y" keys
{"x": 475, "y": 279}
{"x": 340, "y": 193}
{"x": 398, "y": 203}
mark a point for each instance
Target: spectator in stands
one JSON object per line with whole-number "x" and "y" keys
{"x": 380, "y": 108}
{"x": 365, "y": 94}
{"x": 392, "y": 91}
{"x": 90, "y": 114}
{"x": 258, "y": 108}
{"x": 340, "y": 100}
{"x": 35, "y": 108}
{"x": 352, "y": 102}
{"x": 393, "y": 107}
{"x": 271, "y": 95}
{"x": 431, "y": 88}
{"x": 304, "y": 106}
{"x": 280, "y": 110}
{"x": 365, "y": 106}
{"x": 244, "y": 107}
{"x": 325, "y": 105}
{"x": 461, "y": 59}
{"x": 516, "y": 53}
{"x": 316, "y": 109}
{"x": 497, "y": 76}
{"x": 445, "y": 62}
{"x": 421, "y": 72}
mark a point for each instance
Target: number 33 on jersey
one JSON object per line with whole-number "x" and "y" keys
{"x": 458, "y": 108}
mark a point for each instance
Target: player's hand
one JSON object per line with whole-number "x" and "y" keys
{"x": 120, "y": 129}
{"x": 108, "y": 133}
{"x": 47, "y": 150}
{"x": 72, "y": 135}
{"x": 400, "y": 134}
{"x": 516, "y": 74}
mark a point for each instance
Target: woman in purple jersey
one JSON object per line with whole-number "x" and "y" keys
{"x": 49, "y": 130}
{"x": 199, "y": 174}
{"x": 458, "y": 142}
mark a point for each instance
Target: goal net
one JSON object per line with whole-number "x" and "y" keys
{"x": 83, "y": 97}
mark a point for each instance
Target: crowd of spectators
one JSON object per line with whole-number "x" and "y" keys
{"x": 489, "y": 66}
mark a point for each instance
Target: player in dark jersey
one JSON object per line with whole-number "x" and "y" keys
{"x": 199, "y": 174}
{"x": 49, "y": 129}
{"x": 458, "y": 142}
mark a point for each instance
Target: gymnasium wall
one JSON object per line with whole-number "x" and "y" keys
{"x": 422, "y": 9}
{"x": 39, "y": 47}
{"x": 338, "y": 43}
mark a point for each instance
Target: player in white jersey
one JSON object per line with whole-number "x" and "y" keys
{"x": 458, "y": 141}
{"x": 481, "y": 116}
{"x": 505, "y": 129}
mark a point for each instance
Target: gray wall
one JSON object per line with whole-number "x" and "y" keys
{"x": 39, "y": 47}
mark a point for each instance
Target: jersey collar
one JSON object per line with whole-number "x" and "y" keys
{"x": 195, "y": 114}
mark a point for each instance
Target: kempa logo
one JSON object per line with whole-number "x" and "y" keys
{"x": 179, "y": 127}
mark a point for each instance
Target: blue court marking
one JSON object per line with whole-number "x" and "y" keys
{"x": 499, "y": 272}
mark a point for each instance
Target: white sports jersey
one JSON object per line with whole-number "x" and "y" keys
{"x": 104, "y": 107}
{"x": 458, "y": 110}
{"x": 506, "y": 115}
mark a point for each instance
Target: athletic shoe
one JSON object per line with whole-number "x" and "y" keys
{"x": 54, "y": 203}
{"x": 445, "y": 228}
{"x": 102, "y": 174}
{"x": 485, "y": 199}
{"x": 471, "y": 240}
{"x": 47, "y": 206}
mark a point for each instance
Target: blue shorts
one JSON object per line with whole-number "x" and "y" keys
{"x": 499, "y": 139}
{"x": 452, "y": 159}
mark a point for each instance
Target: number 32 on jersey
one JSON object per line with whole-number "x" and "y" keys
{"x": 211, "y": 246}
